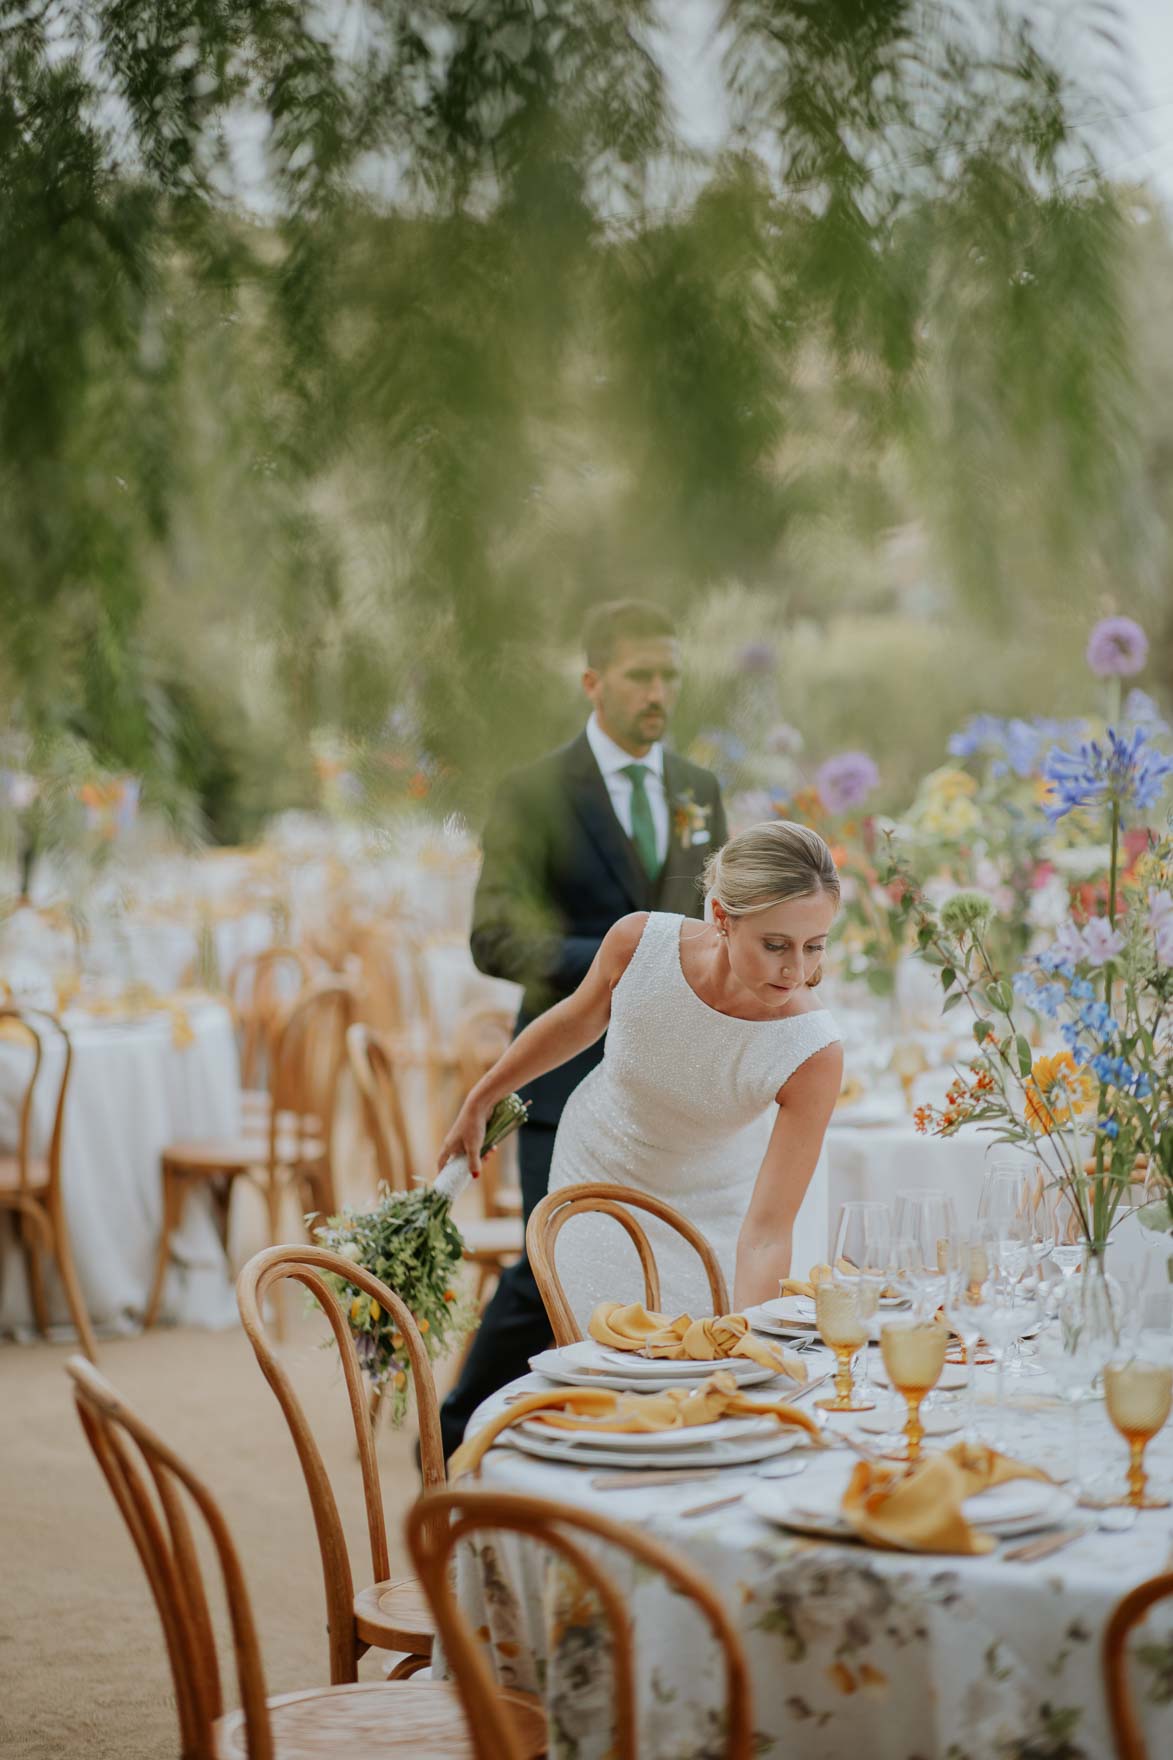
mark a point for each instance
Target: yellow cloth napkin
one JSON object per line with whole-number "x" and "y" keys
{"x": 632, "y": 1327}
{"x": 598, "y": 1409}
{"x": 920, "y": 1510}
{"x": 805, "y": 1286}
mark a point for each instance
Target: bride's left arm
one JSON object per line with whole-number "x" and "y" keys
{"x": 805, "y": 1105}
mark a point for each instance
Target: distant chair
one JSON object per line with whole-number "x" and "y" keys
{"x": 262, "y": 989}
{"x": 438, "y": 1523}
{"x": 490, "y": 1242}
{"x": 383, "y": 1720}
{"x": 30, "y": 1185}
{"x": 557, "y": 1208}
{"x": 1127, "y": 1614}
{"x": 291, "y": 1150}
{"x": 481, "y": 1036}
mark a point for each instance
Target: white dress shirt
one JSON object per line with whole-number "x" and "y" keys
{"x": 612, "y": 760}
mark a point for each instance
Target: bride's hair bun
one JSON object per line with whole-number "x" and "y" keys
{"x": 767, "y": 864}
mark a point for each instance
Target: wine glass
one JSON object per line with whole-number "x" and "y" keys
{"x": 863, "y": 1252}
{"x": 925, "y": 1220}
{"x": 968, "y": 1268}
{"x": 1004, "y": 1310}
{"x": 843, "y": 1325}
{"x": 914, "y": 1355}
{"x": 1075, "y": 1354}
{"x": 1063, "y": 1231}
{"x": 1008, "y": 1207}
{"x": 1139, "y": 1396}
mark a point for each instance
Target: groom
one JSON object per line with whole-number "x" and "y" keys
{"x": 609, "y": 824}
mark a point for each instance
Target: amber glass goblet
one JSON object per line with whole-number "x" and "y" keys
{"x": 842, "y": 1323}
{"x": 914, "y": 1355}
{"x": 1139, "y": 1397}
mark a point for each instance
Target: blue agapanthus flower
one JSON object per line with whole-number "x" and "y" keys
{"x": 1126, "y": 771}
{"x": 1011, "y": 745}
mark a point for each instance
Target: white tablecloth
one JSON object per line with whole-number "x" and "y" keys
{"x": 851, "y": 1652}
{"x": 132, "y": 1091}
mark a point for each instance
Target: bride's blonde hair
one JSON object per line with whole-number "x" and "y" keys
{"x": 768, "y": 864}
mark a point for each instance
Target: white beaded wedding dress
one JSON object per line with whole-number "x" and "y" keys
{"x": 681, "y": 1107}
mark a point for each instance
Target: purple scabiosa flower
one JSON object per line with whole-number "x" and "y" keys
{"x": 1101, "y": 941}
{"x": 1161, "y": 923}
{"x": 1117, "y": 648}
{"x": 1126, "y": 772}
{"x": 757, "y": 657}
{"x": 846, "y": 780}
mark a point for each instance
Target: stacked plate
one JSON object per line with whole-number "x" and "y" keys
{"x": 729, "y": 1442}
{"x": 794, "y": 1316}
{"x": 1018, "y": 1507}
{"x": 588, "y": 1364}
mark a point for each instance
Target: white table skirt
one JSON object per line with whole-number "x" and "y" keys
{"x": 851, "y": 1652}
{"x": 132, "y": 1091}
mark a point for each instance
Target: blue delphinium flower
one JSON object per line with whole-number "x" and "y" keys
{"x": 1050, "y": 961}
{"x": 1109, "y": 1128}
{"x": 1082, "y": 990}
{"x": 1096, "y": 1017}
{"x": 1115, "y": 1072}
{"x": 1079, "y": 1047}
{"x": 1127, "y": 772}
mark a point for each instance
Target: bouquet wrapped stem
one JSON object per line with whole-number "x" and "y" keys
{"x": 411, "y": 1243}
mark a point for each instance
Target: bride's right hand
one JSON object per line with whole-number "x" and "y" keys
{"x": 467, "y": 1134}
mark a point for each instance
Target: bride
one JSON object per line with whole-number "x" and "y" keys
{"x": 718, "y": 1079}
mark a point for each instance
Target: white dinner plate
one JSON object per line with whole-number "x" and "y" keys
{"x": 552, "y": 1365}
{"x": 587, "y": 1355}
{"x": 714, "y": 1454}
{"x": 813, "y": 1508}
{"x": 671, "y": 1441}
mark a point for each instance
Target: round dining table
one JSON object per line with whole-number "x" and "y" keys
{"x": 852, "y": 1651}
{"x": 137, "y": 1084}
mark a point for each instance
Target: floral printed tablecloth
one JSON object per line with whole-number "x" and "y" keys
{"x": 852, "y": 1652}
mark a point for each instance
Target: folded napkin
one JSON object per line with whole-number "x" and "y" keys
{"x": 805, "y": 1286}
{"x": 600, "y": 1411}
{"x": 920, "y": 1511}
{"x": 632, "y": 1327}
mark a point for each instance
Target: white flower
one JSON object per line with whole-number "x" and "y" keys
{"x": 1161, "y": 923}
{"x": 1101, "y": 941}
{"x": 352, "y": 1251}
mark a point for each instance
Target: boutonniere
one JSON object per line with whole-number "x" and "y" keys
{"x": 690, "y": 820}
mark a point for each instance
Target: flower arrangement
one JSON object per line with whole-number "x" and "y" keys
{"x": 411, "y": 1243}
{"x": 1098, "y": 1113}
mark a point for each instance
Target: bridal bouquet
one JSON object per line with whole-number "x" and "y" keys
{"x": 411, "y": 1243}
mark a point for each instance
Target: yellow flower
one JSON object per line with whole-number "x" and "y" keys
{"x": 1056, "y": 1090}
{"x": 375, "y": 1309}
{"x": 947, "y": 784}
{"x": 356, "y": 1310}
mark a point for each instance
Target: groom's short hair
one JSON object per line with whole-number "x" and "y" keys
{"x": 620, "y": 620}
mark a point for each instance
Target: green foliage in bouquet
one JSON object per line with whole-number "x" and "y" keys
{"x": 411, "y": 1243}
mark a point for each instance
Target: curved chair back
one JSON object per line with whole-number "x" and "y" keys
{"x": 307, "y": 1063}
{"x": 393, "y": 988}
{"x": 262, "y": 989}
{"x": 372, "y": 1064}
{"x": 480, "y": 1037}
{"x": 1127, "y": 1614}
{"x": 314, "y": 1267}
{"x": 27, "y": 1019}
{"x": 149, "y": 1481}
{"x": 556, "y": 1209}
{"x": 437, "y": 1524}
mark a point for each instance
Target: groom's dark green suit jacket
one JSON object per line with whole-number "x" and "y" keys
{"x": 559, "y": 870}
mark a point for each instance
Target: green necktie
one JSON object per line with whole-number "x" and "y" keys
{"x": 643, "y": 829}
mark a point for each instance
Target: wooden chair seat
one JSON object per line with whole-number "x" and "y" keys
{"x": 374, "y": 1719}
{"x": 38, "y": 1170}
{"x": 491, "y": 1237}
{"x": 395, "y": 1616}
{"x": 205, "y": 1159}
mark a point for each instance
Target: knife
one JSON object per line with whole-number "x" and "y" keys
{"x": 635, "y": 1480}
{"x": 1037, "y": 1549}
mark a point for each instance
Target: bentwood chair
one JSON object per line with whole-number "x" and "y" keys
{"x": 290, "y": 1150}
{"x": 557, "y": 1208}
{"x": 438, "y": 1523}
{"x": 30, "y": 1185}
{"x": 1124, "y": 1618}
{"x": 262, "y": 989}
{"x": 490, "y": 1242}
{"x": 481, "y": 1036}
{"x": 155, "y": 1490}
{"x": 391, "y": 1613}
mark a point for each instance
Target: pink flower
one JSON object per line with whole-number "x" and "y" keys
{"x": 1101, "y": 941}
{"x": 1161, "y": 923}
{"x": 1117, "y": 648}
{"x": 1069, "y": 943}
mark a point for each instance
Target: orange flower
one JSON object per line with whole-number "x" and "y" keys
{"x": 922, "y": 1118}
{"x": 1057, "y": 1090}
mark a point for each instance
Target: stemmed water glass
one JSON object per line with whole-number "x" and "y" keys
{"x": 1009, "y": 1207}
{"x": 924, "y": 1224}
{"x": 1003, "y": 1310}
{"x": 914, "y": 1355}
{"x": 968, "y": 1269}
{"x": 862, "y": 1256}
